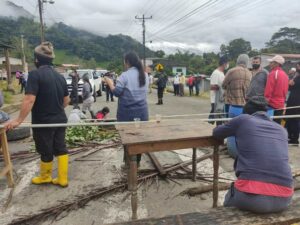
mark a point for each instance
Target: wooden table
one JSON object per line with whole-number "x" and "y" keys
{"x": 166, "y": 135}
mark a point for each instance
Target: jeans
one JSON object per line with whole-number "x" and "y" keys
{"x": 255, "y": 203}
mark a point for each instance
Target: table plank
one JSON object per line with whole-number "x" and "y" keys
{"x": 166, "y": 130}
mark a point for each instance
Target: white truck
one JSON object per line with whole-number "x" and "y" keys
{"x": 94, "y": 79}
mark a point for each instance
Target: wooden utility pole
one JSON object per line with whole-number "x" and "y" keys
{"x": 8, "y": 69}
{"x": 144, "y": 36}
{"x": 41, "y": 20}
{"x": 23, "y": 54}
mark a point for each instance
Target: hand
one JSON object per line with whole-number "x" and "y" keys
{"x": 11, "y": 124}
{"x": 291, "y": 82}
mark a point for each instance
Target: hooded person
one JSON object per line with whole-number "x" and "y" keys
{"x": 46, "y": 96}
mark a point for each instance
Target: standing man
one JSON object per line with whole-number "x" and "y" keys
{"x": 259, "y": 79}
{"x": 277, "y": 86}
{"x": 236, "y": 84}
{"x": 74, "y": 93}
{"x": 264, "y": 179}
{"x": 46, "y": 96}
{"x": 161, "y": 85}
{"x": 176, "y": 85}
{"x": 191, "y": 84}
{"x": 150, "y": 76}
{"x": 181, "y": 84}
{"x": 216, "y": 90}
{"x": 292, "y": 124}
{"x": 197, "y": 84}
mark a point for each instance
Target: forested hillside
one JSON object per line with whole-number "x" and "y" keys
{"x": 73, "y": 45}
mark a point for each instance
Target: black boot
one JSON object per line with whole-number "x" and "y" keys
{"x": 161, "y": 101}
{"x": 158, "y": 102}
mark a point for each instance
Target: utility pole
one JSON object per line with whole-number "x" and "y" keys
{"x": 41, "y": 3}
{"x": 144, "y": 36}
{"x": 41, "y": 20}
{"x": 23, "y": 53}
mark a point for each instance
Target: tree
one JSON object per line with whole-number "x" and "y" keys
{"x": 235, "y": 48}
{"x": 286, "y": 40}
{"x": 159, "y": 54}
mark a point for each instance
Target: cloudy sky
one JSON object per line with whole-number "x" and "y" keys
{"x": 195, "y": 25}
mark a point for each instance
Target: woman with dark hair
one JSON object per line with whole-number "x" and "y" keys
{"x": 131, "y": 88}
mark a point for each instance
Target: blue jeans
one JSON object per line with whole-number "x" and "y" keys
{"x": 255, "y": 203}
{"x": 234, "y": 111}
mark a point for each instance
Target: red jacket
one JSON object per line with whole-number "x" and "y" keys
{"x": 191, "y": 81}
{"x": 276, "y": 88}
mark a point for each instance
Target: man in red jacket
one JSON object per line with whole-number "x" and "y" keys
{"x": 277, "y": 86}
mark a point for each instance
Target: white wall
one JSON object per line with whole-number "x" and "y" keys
{"x": 176, "y": 68}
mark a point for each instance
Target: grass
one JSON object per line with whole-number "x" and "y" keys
{"x": 8, "y": 96}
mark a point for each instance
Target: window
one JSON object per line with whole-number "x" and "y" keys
{"x": 178, "y": 70}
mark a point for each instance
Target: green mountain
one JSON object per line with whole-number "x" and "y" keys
{"x": 72, "y": 45}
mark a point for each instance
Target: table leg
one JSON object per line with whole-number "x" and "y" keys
{"x": 133, "y": 186}
{"x": 194, "y": 164}
{"x": 216, "y": 176}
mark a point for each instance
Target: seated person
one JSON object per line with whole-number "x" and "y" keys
{"x": 264, "y": 180}
{"x": 102, "y": 115}
{"x": 76, "y": 115}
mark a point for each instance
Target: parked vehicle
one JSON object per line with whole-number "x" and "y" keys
{"x": 94, "y": 79}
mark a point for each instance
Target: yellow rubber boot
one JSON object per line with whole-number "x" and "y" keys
{"x": 62, "y": 178}
{"x": 45, "y": 174}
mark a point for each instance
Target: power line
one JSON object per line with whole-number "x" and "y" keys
{"x": 186, "y": 16}
{"x": 144, "y": 35}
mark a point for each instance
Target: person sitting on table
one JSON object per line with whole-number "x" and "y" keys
{"x": 264, "y": 180}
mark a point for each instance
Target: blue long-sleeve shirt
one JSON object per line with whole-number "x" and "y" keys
{"x": 132, "y": 102}
{"x": 262, "y": 148}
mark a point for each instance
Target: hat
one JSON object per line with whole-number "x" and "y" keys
{"x": 277, "y": 58}
{"x": 255, "y": 104}
{"x": 45, "y": 49}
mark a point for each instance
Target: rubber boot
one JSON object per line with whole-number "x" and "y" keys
{"x": 45, "y": 174}
{"x": 62, "y": 177}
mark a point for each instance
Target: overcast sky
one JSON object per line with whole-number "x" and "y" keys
{"x": 195, "y": 25}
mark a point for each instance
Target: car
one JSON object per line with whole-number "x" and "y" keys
{"x": 94, "y": 79}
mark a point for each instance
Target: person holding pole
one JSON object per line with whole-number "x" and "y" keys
{"x": 46, "y": 96}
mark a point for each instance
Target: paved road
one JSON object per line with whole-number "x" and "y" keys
{"x": 172, "y": 105}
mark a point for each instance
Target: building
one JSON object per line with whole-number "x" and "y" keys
{"x": 177, "y": 70}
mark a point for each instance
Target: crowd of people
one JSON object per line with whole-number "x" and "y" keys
{"x": 259, "y": 144}
{"x": 264, "y": 181}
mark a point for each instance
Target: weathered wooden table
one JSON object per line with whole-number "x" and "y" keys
{"x": 166, "y": 135}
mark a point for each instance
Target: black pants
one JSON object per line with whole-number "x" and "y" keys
{"x": 74, "y": 96}
{"x": 197, "y": 89}
{"x": 109, "y": 94}
{"x": 160, "y": 93}
{"x": 176, "y": 89}
{"x": 278, "y": 113}
{"x": 191, "y": 88}
{"x": 50, "y": 142}
{"x": 292, "y": 126}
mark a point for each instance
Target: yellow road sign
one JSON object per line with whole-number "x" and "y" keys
{"x": 159, "y": 67}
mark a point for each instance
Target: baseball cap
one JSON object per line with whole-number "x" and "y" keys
{"x": 277, "y": 58}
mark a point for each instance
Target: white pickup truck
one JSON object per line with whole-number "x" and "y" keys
{"x": 94, "y": 79}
